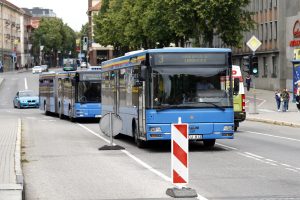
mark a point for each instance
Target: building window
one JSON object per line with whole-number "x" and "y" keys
{"x": 271, "y": 30}
{"x": 265, "y": 67}
{"x": 261, "y": 5}
{"x": 275, "y": 3}
{"x": 266, "y": 31}
{"x": 274, "y": 66}
{"x": 275, "y": 30}
{"x": 261, "y": 35}
{"x": 270, "y": 4}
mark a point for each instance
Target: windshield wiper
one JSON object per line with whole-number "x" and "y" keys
{"x": 215, "y": 105}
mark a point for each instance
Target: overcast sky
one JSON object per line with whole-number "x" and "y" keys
{"x": 73, "y": 12}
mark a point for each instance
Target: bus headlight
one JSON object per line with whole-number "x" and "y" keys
{"x": 227, "y": 128}
{"x": 155, "y": 129}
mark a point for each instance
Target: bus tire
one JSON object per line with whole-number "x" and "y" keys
{"x": 139, "y": 143}
{"x": 236, "y": 125}
{"x": 60, "y": 115}
{"x": 209, "y": 143}
{"x": 45, "y": 109}
{"x": 71, "y": 118}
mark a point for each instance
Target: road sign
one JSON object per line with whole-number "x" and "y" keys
{"x": 111, "y": 123}
{"x": 253, "y": 43}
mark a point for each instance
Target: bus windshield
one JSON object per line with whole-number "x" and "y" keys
{"x": 191, "y": 86}
{"x": 89, "y": 92}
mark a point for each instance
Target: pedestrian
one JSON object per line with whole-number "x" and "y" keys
{"x": 285, "y": 98}
{"x": 248, "y": 82}
{"x": 278, "y": 99}
{"x": 298, "y": 102}
{"x": 1, "y": 66}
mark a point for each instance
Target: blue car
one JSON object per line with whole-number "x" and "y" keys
{"x": 26, "y": 99}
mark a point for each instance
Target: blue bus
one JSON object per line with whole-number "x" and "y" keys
{"x": 74, "y": 94}
{"x": 151, "y": 89}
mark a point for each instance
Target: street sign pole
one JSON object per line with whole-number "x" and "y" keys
{"x": 254, "y": 93}
{"x": 253, "y": 43}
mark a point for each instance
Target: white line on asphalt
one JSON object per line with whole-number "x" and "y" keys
{"x": 263, "y": 101}
{"x": 291, "y": 169}
{"x": 166, "y": 178}
{"x": 26, "y": 86}
{"x": 233, "y": 148}
{"x": 271, "y": 160}
{"x": 286, "y": 165}
{"x": 254, "y": 155}
{"x": 275, "y": 136}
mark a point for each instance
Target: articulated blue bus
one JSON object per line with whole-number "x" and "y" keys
{"x": 151, "y": 89}
{"x": 74, "y": 94}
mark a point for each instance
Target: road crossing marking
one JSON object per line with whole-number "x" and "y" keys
{"x": 166, "y": 178}
{"x": 26, "y": 86}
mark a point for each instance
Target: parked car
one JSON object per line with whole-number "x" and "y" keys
{"x": 44, "y": 68}
{"x": 37, "y": 69}
{"x": 26, "y": 99}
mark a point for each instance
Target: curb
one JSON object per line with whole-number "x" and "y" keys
{"x": 1, "y": 80}
{"x": 269, "y": 121}
{"x": 18, "y": 168}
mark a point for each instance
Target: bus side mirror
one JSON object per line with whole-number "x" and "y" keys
{"x": 236, "y": 86}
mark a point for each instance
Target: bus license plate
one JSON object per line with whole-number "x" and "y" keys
{"x": 195, "y": 137}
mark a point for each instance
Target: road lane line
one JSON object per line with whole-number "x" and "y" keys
{"x": 229, "y": 147}
{"x": 263, "y": 101}
{"x": 286, "y": 165}
{"x": 26, "y": 86}
{"x": 254, "y": 155}
{"x": 158, "y": 173}
{"x": 290, "y": 169}
{"x": 275, "y": 136}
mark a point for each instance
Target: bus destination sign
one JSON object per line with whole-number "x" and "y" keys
{"x": 90, "y": 77}
{"x": 190, "y": 59}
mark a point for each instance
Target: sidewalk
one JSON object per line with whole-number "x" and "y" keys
{"x": 11, "y": 178}
{"x": 267, "y": 110}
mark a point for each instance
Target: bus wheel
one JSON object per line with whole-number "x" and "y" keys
{"x": 139, "y": 143}
{"x": 236, "y": 125}
{"x": 72, "y": 119}
{"x": 45, "y": 109}
{"x": 209, "y": 143}
{"x": 60, "y": 115}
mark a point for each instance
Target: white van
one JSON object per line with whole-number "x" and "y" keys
{"x": 239, "y": 101}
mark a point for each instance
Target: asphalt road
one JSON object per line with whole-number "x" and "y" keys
{"x": 61, "y": 160}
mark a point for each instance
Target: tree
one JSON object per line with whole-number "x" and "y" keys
{"x": 54, "y": 35}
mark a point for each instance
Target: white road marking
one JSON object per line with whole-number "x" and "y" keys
{"x": 26, "y": 86}
{"x": 275, "y": 136}
{"x": 266, "y": 110}
{"x": 166, "y": 178}
{"x": 263, "y": 101}
{"x": 228, "y": 147}
{"x": 254, "y": 155}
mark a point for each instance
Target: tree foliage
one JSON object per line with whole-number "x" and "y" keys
{"x": 54, "y": 36}
{"x": 135, "y": 24}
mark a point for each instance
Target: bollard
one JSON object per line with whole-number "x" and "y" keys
{"x": 180, "y": 162}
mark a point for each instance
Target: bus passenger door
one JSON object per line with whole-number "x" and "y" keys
{"x": 60, "y": 97}
{"x": 141, "y": 105}
{"x": 116, "y": 93}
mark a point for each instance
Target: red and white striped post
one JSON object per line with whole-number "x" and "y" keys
{"x": 180, "y": 161}
{"x": 180, "y": 154}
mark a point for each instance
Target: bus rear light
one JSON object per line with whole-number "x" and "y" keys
{"x": 243, "y": 102}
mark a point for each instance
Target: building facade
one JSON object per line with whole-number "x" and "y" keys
{"x": 10, "y": 35}
{"x": 275, "y": 21}
{"x": 96, "y": 52}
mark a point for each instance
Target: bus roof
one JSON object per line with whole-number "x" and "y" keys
{"x": 125, "y": 61}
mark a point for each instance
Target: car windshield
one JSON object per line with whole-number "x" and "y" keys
{"x": 37, "y": 67}
{"x": 26, "y": 94}
{"x": 191, "y": 87}
{"x": 89, "y": 92}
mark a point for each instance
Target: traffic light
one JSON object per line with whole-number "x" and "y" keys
{"x": 254, "y": 66}
{"x": 247, "y": 62}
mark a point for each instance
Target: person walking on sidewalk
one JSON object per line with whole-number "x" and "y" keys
{"x": 278, "y": 99}
{"x": 248, "y": 81}
{"x": 285, "y": 98}
{"x": 298, "y": 102}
